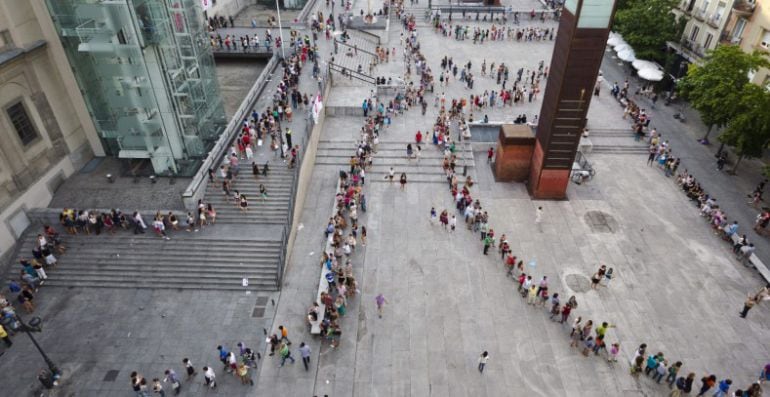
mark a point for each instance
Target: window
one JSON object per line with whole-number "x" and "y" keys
{"x": 740, "y": 25}
{"x": 6, "y": 41}
{"x": 707, "y": 43}
{"x": 694, "y": 33}
{"x": 765, "y": 43}
{"x": 22, "y": 123}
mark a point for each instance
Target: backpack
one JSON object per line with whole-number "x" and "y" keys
{"x": 680, "y": 383}
{"x": 14, "y": 286}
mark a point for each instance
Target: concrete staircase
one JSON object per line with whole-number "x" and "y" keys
{"x": 125, "y": 260}
{"x": 275, "y": 210}
{"x": 616, "y": 141}
{"x": 393, "y": 154}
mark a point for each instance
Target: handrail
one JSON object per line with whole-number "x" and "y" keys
{"x": 368, "y": 33}
{"x": 355, "y": 47}
{"x": 353, "y": 73}
{"x": 194, "y": 191}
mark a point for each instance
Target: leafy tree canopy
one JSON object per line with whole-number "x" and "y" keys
{"x": 716, "y": 88}
{"x": 647, "y": 25}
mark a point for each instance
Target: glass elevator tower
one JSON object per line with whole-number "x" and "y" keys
{"x": 146, "y": 71}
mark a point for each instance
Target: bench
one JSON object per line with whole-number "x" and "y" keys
{"x": 323, "y": 284}
{"x": 754, "y": 261}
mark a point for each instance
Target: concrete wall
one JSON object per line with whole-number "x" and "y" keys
{"x": 305, "y": 173}
{"x": 39, "y": 77}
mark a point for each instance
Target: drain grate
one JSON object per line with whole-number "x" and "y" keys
{"x": 111, "y": 375}
{"x": 258, "y": 312}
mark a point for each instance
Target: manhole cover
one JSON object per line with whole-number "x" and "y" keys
{"x": 577, "y": 282}
{"x": 111, "y": 375}
{"x": 600, "y": 222}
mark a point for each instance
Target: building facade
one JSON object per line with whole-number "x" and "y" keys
{"x": 749, "y": 27}
{"x": 147, "y": 75}
{"x": 706, "y": 21}
{"x": 46, "y": 133}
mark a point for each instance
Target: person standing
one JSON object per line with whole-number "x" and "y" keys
{"x": 304, "y": 351}
{"x": 483, "y": 359}
{"x": 288, "y": 137}
{"x": 4, "y": 336}
{"x": 490, "y": 154}
{"x": 723, "y": 388}
{"x": 403, "y": 181}
{"x": 539, "y": 217}
{"x": 157, "y": 388}
{"x": 433, "y": 216}
{"x": 391, "y": 173}
{"x": 381, "y": 301}
{"x": 707, "y": 382}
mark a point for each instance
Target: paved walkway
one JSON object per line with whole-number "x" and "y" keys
{"x": 677, "y": 287}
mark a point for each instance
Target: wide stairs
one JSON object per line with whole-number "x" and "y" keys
{"x": 393, "y": 154}
{"x": 125, "y": 260}
{"x": 616, "y": 141}
{"x": 274, "y": 210}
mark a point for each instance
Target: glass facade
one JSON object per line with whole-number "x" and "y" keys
{"x": 146, "y": 72}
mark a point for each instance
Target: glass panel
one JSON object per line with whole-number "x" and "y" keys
{"x": 595, "y": 14}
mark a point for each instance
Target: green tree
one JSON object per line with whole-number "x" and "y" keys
{"x": 749, "y": 131}
{"x": 647, "y": 25}
{"x": 716, "y": 88}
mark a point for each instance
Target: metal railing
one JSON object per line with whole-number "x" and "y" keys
{"x": 355, "y": 47}
{"x": 197, "y": 186}
{"x": 369, "y": 34}
{"x": 352, "y": 73}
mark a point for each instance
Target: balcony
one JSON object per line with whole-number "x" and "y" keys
{"x": 727, "y": 38}
{"x": 744, "y": 8}
{"x": 694, "y": 47}
{"x": 685, "y": 7}
{"x": 714, "y": 21}
{"x": 699, "y": 14}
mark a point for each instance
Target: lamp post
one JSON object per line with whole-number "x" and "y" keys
{"x": 34, "y": 325}
{"x": 280, "y": 29}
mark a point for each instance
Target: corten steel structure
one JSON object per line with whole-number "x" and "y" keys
{"x": 578, "y": 52}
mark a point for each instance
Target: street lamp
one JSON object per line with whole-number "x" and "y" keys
{"x": 280, "y": 29}
{"x": 35, "y": 325}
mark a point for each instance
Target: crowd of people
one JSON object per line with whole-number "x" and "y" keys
{"x": 496, "y": 33}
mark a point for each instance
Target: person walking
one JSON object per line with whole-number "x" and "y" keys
{"x": 381, "y": 301}
{"x": 539, "y": 218}
{"x": 243, "y": 373}
{"x": 391, "y": 174}
{"x": 304, "y": 351}
{"x": 723, "y": 388}
{"x": 683, "y": 385}
{"x": 403, "y": 181}
{"x": 483, "y": 359}
{"x": 209, "y": 377}
{"x": 285, "y": 354}
{"x": 171, "y": 377}
{"x": 189, "y": 368}
{"x": 750, "y": 302}
{"x": 284, "y": 334}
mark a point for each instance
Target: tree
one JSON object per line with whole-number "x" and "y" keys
{"x": 716, "y": 88}
{"x": 749, "y": 131}
{"x": 647, "y": 25}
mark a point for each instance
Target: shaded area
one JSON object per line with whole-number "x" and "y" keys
{"x": 235, "y": 80}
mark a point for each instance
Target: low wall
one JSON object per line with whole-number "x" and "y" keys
{"x": 50, "y": 216}
{"x": 303, "y": 179}
{"x": 197, "y": 187}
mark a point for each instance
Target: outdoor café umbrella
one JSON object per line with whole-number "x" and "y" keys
{"x": 627, "y": 55}
{"x": 640, "y": 64}
{"x": 651, "y": 74}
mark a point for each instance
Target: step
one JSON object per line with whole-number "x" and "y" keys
{"x": 143, "y": 284}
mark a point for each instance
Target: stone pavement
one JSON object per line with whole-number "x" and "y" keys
{"x": 730, "y": 190}
{"x": 676, "y": 285}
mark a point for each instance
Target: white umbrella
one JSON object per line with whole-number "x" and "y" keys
{"x": 622, "y": 47}
{"x": 651, "y": 74}
{"x": 627, "y": 55}
{"x": 640, "y": 64}
{"x": 615, "y": 41}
